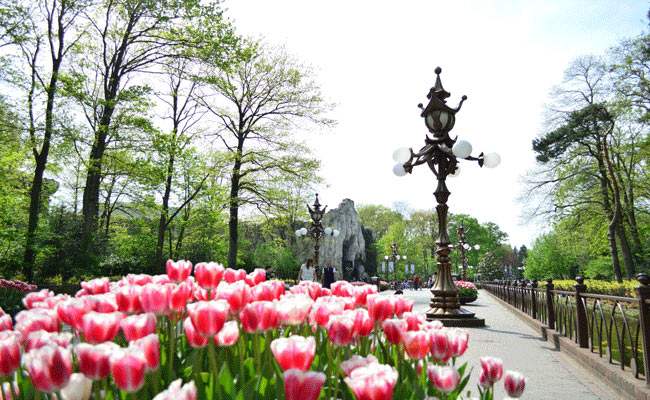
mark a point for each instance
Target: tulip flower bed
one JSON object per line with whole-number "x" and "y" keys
{"x": 11, "y": 293}
{"x": 226, "y": 334}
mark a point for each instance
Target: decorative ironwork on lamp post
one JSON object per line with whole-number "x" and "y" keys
{"x": 441, "y": 154}
{"x": 463, "y": 246}
{"x": 316, "y": 230}
{"x": 395, "y": 248}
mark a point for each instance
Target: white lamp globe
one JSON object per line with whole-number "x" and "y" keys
{"x": 404, "y": 257}
{"x": 298, "y": 233}
{"x": 477, "y": 247}
{"x": 398, "y": 257}
{"x": 399, "y": 170}
{"x": 386, "y": 257}
{"x": 336, "y": 233}
{"x": 456, "y": 172}
{"x": 492, "y": 160}
{"x": 462, "y": 149}
{"x": 328, "y": 231}
{"x": 303, "y": 231}
{"x": 467, "y": 247}
{"x": 402, "y": 155}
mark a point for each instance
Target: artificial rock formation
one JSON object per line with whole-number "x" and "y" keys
{"x": 348, "y": 249}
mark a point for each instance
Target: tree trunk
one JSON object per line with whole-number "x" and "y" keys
{"x": 233, "y": 222}
{"x": 32, "y": 225}
{"x": 164, "y": 212}
{"x": 611, "y": 234}
{"x": 41, "y": 162}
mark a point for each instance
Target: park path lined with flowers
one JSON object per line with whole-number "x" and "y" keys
{"x": 550, "y": 374}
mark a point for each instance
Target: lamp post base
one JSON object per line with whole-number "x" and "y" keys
{"x": 456, "y": 317}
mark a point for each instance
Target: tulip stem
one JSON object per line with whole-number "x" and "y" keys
{"x": 336, "y": 372}
{"x": 95, "y": 389}
{"x": 213, "y": 365}
{"x": 172, "y": 344}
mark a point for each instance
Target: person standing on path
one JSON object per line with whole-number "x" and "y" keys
{"x": 329, "y": 274}
{"x": 308, "y": 272}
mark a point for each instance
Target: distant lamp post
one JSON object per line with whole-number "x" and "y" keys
{"x": 441, "y": 154}
{"x": 396, "y": 257}
{"x": 316, "y": 230}
{"x": 463, "y": 246}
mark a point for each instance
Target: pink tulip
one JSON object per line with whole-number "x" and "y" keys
{"x": 237, "y": 294}
{"x": 128, "y": 299}
{"x": 177, "y": 392}
{"x": 492, "y": 368}
{"x": 49, "y": 367}
{"x": 6, "y": 390}
{"x": 355, "y": 362}
{"x": 36, "y": 319}
{"x": 201, "y": 294}
{"x": 35, "y": 297}
{"x": 6, "y": 324}
{"x": 41, "y": 338}
{"x": 193, "y": 337}
{"x": 99, "y": 328}
{"x": 154, "y": 298}
{"x": 373, "y": 382}
{"x": 94, "y": 361}
{"x": 299, "y": 385}
{"x": 362, "y": 323}
{"x": 294, "y": 352}
{"x": 458, "y": 339}
{"x": 96, "y": 286}
{"x": 267, "y": 291}
{"x": 150, "y": 346}
{"x": 402, "y": 305}
{"x": 104, "y": 303}
{"x": 312, "y": 289}
{"x": 257, "y": 276}
{"x": 393, "y": 329}
{"x": 431, "y": 325}
{"x": 416, "y": 344}
{"x": 233, "y": 275}
{"x": 138, "y": 279}
{"x": 179, "y": 295}
{"x": 208, "y": 275}
{"x": 414, "y": 320}
{"x": 293, "y": 309}
{"x": 228, "y": 335}
{"x": 9, "y": 353}
{"x": 208, "y": 317}
{"x": 342, "y": 289}
{"x": 127, "y": 367}
{"x": 439, "y": 345}
{"x": 178, "y": 271}
{"x": 380, "y": 307}
{"x": 323, "y": 309}
{"x": 78, "y": 388}
{"x": 339, "y": 329}
{"x": 514, "y": 383}
{"x": 259, "y": 316}
{"x": 138, "y": 326}
{"x": 445, "y": 379}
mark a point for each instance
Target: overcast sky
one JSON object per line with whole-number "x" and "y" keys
{"x": 376, "y": 61}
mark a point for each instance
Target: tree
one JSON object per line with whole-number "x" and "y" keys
{"x": 132, "y": 37}
{"x": 257, "y": 103}
{"x": 548, "y": 259}
{"x": 49, "y": 23}
{"x": 377, "y": 217}
{"x": 575, "y": 165}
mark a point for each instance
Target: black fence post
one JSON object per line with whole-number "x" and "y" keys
{"x": 523, "y": 295}
{"x": 549, "y": 303}
{"x": 643, "y": 294}
{"x": 533, "y": 298}
{"x": 582, "y": 331}
{"x": 507, "y": 291}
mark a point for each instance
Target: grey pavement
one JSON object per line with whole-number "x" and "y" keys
{"x": 551, "y": 374}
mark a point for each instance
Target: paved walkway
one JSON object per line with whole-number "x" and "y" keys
{"x": 551, "y": 375}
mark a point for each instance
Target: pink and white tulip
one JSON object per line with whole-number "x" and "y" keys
{"x": 300, "y": 385}
{"x": 78, "y": 388}
{"x": 138, "y": 326}
{"x": 10, "y": 350}
{"x": 208, "y": 317}
{"x": 228, "y": 335}
{"x": 99, "y": 328}
{"x": 94, "y": 361}
{"x": 445, "y": 379}
{"x": 514, "y": 383}
{"x": 208, "y": 275}
{"x": 178, "y": 271}
{"x": 294, "y": 352}
{"x": 49, "y": 367}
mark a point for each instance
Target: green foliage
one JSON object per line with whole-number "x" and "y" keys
{"x": 548, "y": 259}
{"x": 377, "y": 217}
{"x": 626, "y": 288}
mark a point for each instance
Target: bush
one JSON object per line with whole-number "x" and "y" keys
{"x": 601, "y": 287}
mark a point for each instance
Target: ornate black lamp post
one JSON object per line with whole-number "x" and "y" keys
{"x": 316, "y": 229}
{"x": 463, "y": 246}
{"x": 395, "y": 247}
{"x": 441, "y": 154}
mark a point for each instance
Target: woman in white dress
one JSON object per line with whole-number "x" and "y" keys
{"x": 308, "y": 272}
